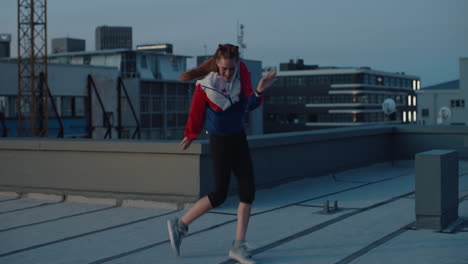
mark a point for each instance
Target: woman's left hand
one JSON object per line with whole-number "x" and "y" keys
{"x": 266, "y": 81}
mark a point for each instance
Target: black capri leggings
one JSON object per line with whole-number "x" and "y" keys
{"x": 231, "y": 153}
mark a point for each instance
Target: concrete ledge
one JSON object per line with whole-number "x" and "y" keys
{"x": 160, "y": 171}
{"x": 44, "y": 197}
{"x": 90, "y": 200}
{"x": 88, "y": 145}
{"x": 151, "y": 204}
{"x": 9, "y": 194}
{"x": 336, "y": 134}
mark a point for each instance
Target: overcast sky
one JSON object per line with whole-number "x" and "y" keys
{"x": 419, "y": 37}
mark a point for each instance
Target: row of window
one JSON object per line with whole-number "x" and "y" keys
{"x": 411, "y": 100}
{"x": 301, "y": 118}
{"x": 457, "y": 103}
{"x": 409, "y": 116}
{"x": 338, "y": 99}
{"x": 161, "y": 134}
{"x": 170, "y": 88}
{"x": 157, "y": 120}
{"x": 155, "y": 104}
{"x": 67, "y": 106}
{"x": 370, "y": 79}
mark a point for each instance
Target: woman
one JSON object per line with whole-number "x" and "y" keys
{"x": 223, "y": 93}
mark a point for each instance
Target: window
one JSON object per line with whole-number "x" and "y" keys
{"x": 409, "y": 100}
{"x": 145, "y": 120}
{"x": 380, "y": 80}
{"x": 171, "y": 104}
{"x": 67, "y": 106}
{"x": 404, "y": 116}
{"x": 80, "y": 106}
{"x": 87, "y": 60}
{"x": 156, "y": 104}
{"x": 171, "y": 120}
{"x": 425, "y": 112}
{"x": 414, "y": 116}
{"x": 3, "y": 105}
{"x": 157, "y": 121}
{"x": 174, "y": 63}
{"x": 414, "y": 100}
{"x": 366, "y": 79}
{"x": 145, "y": 104}
{"x": 143, "y": 63}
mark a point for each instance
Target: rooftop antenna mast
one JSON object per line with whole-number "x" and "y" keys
{"x": 32, "y": 110}
{"x": 240, "y": 39}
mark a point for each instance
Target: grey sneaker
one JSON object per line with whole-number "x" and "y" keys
{"x": 240, "y": 253}
{"x": 176, "y": 232}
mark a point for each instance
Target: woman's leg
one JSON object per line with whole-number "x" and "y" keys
{"x": 243, "y": 216}
{"x": 221, "y": 157}
{"x": 198, "y": 209}
{"x": 178, "y": 228}
{"x": 243, "y": 169}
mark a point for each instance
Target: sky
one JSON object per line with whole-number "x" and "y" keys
{"x": 419, "y": 37}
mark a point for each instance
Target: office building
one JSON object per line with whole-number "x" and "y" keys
{"x": 445, "y": 103}
{"x": 110, "y": 37}
{"x": 160, "y": 100}
{"x": 5, "y": 40}
{"x": 60, "y": 45}
{"x": 74, "y": 110}
{"x": 306, "y": 97}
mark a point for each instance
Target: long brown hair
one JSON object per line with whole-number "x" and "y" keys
{"x": 226, "y": 51}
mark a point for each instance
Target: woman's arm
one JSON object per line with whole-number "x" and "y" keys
{"x": 196, "y": 117}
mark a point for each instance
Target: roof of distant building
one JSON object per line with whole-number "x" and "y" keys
{"x": 324, "y": 70}
{"x": 298, "y": 68}
{"x": 112, "y": 51}
{"x": 455, "y": 84}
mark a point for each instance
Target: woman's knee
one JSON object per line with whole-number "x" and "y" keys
{"x": 217, "y": 198}
{"x": 247, "y": 196}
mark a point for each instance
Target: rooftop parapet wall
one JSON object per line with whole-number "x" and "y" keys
{"x": 161, "y": 171}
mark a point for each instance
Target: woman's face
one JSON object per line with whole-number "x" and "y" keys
{"x": 226, "y": 68}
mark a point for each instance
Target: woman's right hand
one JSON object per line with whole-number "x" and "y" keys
{"x": 185, "y": 143}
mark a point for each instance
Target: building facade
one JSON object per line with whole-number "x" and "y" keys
{"x": 159, "y": 99}
{"x": 312, "y": 97}
{"x": 60, "y": 45}
{"x": 111, "y": 37}
{"x": 5, "y": 40}
{"x": 445, "y": 103}
{"x": 75, "y": 111}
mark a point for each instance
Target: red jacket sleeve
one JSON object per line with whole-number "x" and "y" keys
{"x": 246, "y": 81}
{"x": 196, "y": 114}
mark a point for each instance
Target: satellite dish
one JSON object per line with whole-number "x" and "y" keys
{"x": 388, "y": 106}
{"x": 444, "y": 114}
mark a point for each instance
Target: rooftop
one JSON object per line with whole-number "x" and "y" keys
{"x": 451, "y": 85}
{"x": 113, "y": 51}
{"x": 373, "y": 224}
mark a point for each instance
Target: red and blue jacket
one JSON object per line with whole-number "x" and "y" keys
{"x": 219, "y": 108}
